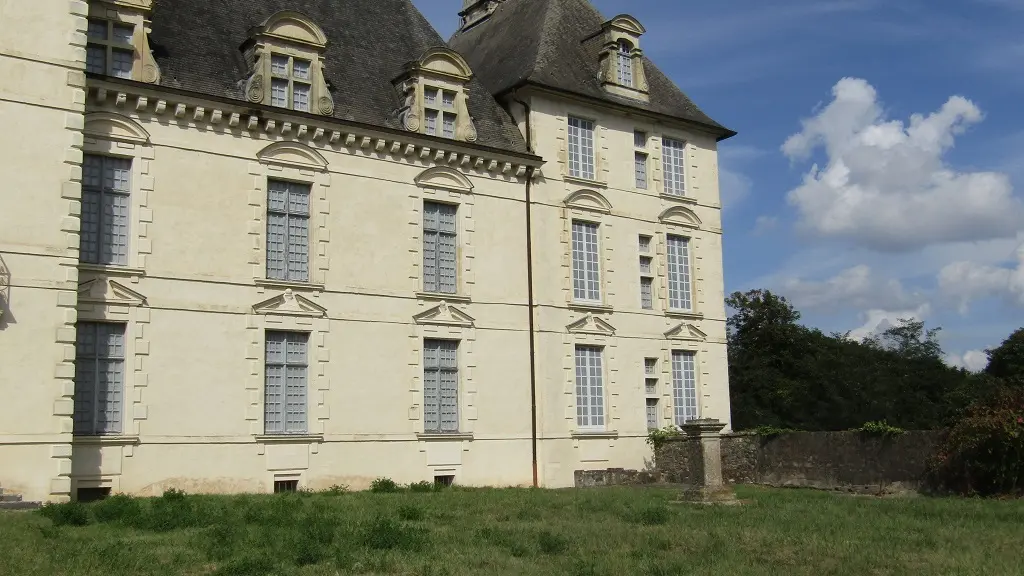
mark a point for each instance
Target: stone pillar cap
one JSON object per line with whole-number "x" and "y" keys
{"x": 703, "y": 427}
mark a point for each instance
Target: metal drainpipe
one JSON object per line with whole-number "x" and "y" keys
{"x": 530, "y": 303}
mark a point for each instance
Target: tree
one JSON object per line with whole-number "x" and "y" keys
{"x": 1007, "y": 360}
{"x": 909, "y": 339}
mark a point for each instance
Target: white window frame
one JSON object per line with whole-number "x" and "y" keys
{"x": 438, "y": 113}
{"x": 292, "y": 80}
{"x": 289, "y": 275}
{"x": 441, "y": 345}
{"x": 435, "y": 259}
{"x": 624, "y": 56}
{"x": 287, "y": 427}
{"x": 679, "y": 273}
{"x": 589, "y": 377}
{"x": 673, "y": 164}
{"x": 94, "y": 427}
{"x": 101, "y": 194}
{"x": 581, "y": 152}
{"x": 685, "y": 387}
{"x": 110, "y": 44}
{"x": 586, "y": 274}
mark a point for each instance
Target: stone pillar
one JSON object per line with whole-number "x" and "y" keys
{"x": 708, "y": 485}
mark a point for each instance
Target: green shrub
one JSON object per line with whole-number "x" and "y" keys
{"x": 387, "y": 534}
{"x": 382, "y": 485}
{"x": 66, "y": 513}
{"x": 984, "y": 452}
{"x": 422, "y": 486}
{"x": 409, "y": 512}
{"x": 772, "y": 431}
{"x": 655, "y": 438}
{"x": 336, "y": 490}
{"x": 552, "y": 544}
{"x": 879, "y": 428}
{"x": 119, "y": 508}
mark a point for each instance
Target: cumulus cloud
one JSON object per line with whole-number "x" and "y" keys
{"x": 856, "y": 287}
{"x": 765, "y": 224}
{"x": 972, "y": 360}
{"x": 877, "y": 321}
{"x": 966, "y": 281}
{"x": 885, "y": 185}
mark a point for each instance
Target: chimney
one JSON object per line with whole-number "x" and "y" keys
{"x": 476, "y": 11}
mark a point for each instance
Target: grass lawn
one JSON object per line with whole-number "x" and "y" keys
{"x": 614, "y": 531}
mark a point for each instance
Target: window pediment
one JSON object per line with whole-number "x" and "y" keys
{"x": 680, "y": 216}
{"x": 292, "y": 154}
{"x": 444, "y": 177}
{"x": 588, "y": 200}
{"x": 591, "y": 324}
{"x": 110, "y": 126}
{"x": 687, "y": 332}
{"x": 104, "y": 291}
{"x": 626, "y": 24}
{"x": 290, "y": 304}
{"x": 444, "y": 315}
{"x": 295, "y": 27}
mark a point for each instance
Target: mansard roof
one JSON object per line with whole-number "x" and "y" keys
{"x": 198, "y": 45}
{"x": 556, "y": 44}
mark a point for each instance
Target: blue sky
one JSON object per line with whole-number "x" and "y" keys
{"x": 879, "y": 170}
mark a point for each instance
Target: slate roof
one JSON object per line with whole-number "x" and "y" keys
{"x": 197, "y": 45}
{"x": 551, "y": 43}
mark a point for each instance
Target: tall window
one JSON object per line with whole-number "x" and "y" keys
{"x": 581, "y": 148}
{"x": 287, "y": 231}
{"x": 290, "y": 84}
{"x": 672, "y": 157}
{"x": 287, "y": 365}
{"x": 625, "y": 64}
{"x": 589, "y": 388}
{"x": 646, "y": 273}
{"x": 684, "y": 386}
{"x": 106, "y": 188}
{"x": 99, "y": 378}
{"x": 652, "y": 413}
{"x": 680, "y": 295}
{"x": 109, "y": 50}
{"x": 586, "y": 265}
{"x": 640, "y": 159}
{"x": 440, "y": 386}
{"x": 651, "y": 390}
{"x": 439, "y": 112}
{"x": 439, "y": 248}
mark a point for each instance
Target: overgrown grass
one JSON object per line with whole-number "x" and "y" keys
{"x": 537, "y": 532}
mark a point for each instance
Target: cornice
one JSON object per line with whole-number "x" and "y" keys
{"x": 316, "y": 131}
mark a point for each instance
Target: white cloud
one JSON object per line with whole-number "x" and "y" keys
{"x": 856, "y": 287}
{"x": 966, "y": 281}
{"x": 972, "y": 360}
{"x": 885, "y": 185}
{"x": 765, "y": 224}
{"x": 877, "y": 321}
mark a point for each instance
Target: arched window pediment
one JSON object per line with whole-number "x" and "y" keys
{"x": 294, "y": 26}
{"x": 444, "y": 177}
{"x": 292, "y": 154}
{"x": 680, "y": 216}
{"x": 588, "y": 200}
{"x": 109, "y": 126}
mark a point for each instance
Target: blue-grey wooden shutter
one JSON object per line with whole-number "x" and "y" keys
{"x": 110, "y": 346}
{"x": 449, "y": 386}
{"x": 679, "y": 289}
{"x": 273, "y": 402}
{"x": 287, "y": 231}
{"x": 85, "y": 378}
{"x": 296, "y": 383}
{"x": 430, "y": 233}
{"x": 586, "y": 266}
{"x": 106, "y": 206}
{"x": 440, "y": 248}
{"x": 92, "y": 194}
{"x": 298, "y": 232}
{"x": 440, "y": 386}
{"x": 431, "y": 386}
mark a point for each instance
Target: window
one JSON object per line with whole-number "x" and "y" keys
{"x": 109, "y": 50}
{"x": 581, "y": 148}
{"x": 287, "y": 231}
{"x": 672, "y": 155}
{"x": 284, "y": 406}
{"x": 684, "y": 386}
{"x": 589, "y": 388}
{"x": 639, "y": 139}
{"x": 439, "y": 110}
{"x": 440, "y": 386}
{"x": 679, "y": 292}
{"x": 439, "y": 248}
{"x": 444, "y": 480}
{"x": 652, "y": 413}
{"x": 286, "y": 486}
{"x": 640, "y": 170}
{"x": 586, "y": 268}
{"x": 99, "y": 378}
{"x": 625, "y": 65}
{"x": 106, "y": 188}
{"x": 290, "y": 85}
{"x": 650, "y": 376}
{"x": 646, "y": 274}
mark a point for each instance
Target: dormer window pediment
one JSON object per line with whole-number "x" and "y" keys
{"x": 622, "y": 69}
{"x": 288, "y": 70}
{"x": 436, "y": 96}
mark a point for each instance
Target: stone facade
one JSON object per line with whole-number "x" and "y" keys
{"x": 195, "y": 303}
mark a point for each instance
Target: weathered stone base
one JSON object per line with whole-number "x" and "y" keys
{"x": 723, "y": 495}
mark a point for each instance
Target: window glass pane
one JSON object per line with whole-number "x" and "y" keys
{"x": 279, "y": 65}
{"x": 652, "y": 413}
{"x": 651, "y": 386}
{"x": 625, "y": 65}
{"x": 645, "y": 264}
{"x": 279, "y": 93}
{"x": 581, "y": 148}
{"x": 449, "y": 125}
{"x": 650, "y": 366}
{"x": 645, "y": 244}
{"x": 448, "y": 99}
{"x": 672, "y": 153}
{"x": 640, "y": 170}
{"x": 301, "y": 94}
{"x": 431, "y": 122}
{"x": 640, "y": 139}
{"x": 124, "y": 33}
{"x": 96, "y": 59}
{"x": 300, "y": 69}
{"x": 121, "y": 63}
{"x": 684, "y": 387}
{"x": 440, "y": 386}
{"x": 586, "y": 268}
{"x": 647, "y": 293}
{"x": 430, "y": 96}
{"x": 97, "y": 29}
{"x": 440, "y": 248}
{"x": 589, "y": 388}
{"x": 286, "y": 367}
{"x": 99, "y": 378}
{"x": 678, "y": 256}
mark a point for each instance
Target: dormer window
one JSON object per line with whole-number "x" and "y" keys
{"x": 622, "y": 68}
{"x": 625, "y": 64}
{"x": 288, "y": 65}
{"x": 436, "y": 96}
{"x": 110, "y": 50}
